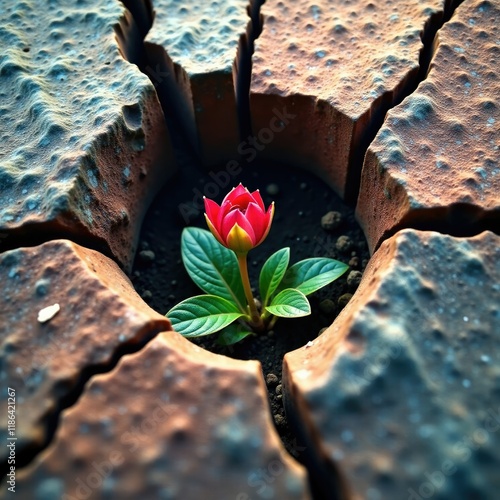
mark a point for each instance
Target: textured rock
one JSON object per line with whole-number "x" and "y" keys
{"x": 45, "y": 359}
{"x": 401, "y": 393}
{"x": 171, "y": 421}
{"x": 196, "y": 50}
{"x": 336, "y": 66}
{"x": 84, "y": 144}
{"x": 435, "y": 163}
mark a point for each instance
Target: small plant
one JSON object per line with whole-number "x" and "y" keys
{"x": 217, "y": 262}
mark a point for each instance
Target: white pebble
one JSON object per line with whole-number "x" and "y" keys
{"x": 47, "y": 313}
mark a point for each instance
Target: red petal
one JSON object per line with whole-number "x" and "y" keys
{"x": 213, "y": 212}
{"x": 258, "y": 199}
{"x": 237, "y": 191}
{"x": 214, "y": 231}
{"x": 258, "y": 219}
{"x": 225, "y": 209}
{"x": 269, "y": 219}
{"x": 242, "y": 201}
{"x": 236, "y": 217}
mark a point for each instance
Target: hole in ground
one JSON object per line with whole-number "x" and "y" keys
{"x": 301, "y": 202}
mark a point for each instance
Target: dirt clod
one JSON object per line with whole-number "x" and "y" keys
{"x": 331, "y": 221}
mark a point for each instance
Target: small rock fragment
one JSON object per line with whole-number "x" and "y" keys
{"x": 48, "y": 313}
{"x": 354, "y": 262}
{"x": 327, "y": 307}
{"x": 344, "y": 243}
{"x": 354, "y": 279}
{"x": 147, "y": 256}
{"x": 344, "y": 299}
{"x": 331, "y": 221}
{"x": 271, "y": 379}
{"x": 279, "y": 420}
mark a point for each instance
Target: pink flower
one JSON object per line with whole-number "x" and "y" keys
{"x": 241, "y": 222}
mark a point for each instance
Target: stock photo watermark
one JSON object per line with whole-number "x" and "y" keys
{"x": 248, "y": 150}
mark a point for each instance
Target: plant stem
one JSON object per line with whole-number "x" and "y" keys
{"x": 272, "y": 322}
{"x": 254, "y": 313}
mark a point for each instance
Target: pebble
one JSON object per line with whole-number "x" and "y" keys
{"x": 279, "y": 389}
{"x": 147, "y": 256}
{"x": 327, "y": 306}
{"x": 272, "y": 189}
{"x": 344, "y": 299}
{"x": 344, "y": 243}
{"x": 331, "y": 221}
{"x": 354, "y": 262}
{"x": 48, "y": 313}
{"x": 271, "y": 379}
{"x": 147, "y": 295}
{"x": 279, "y": 420}
{"x": 354, "y": 279}
{"x": 303, "y": 186}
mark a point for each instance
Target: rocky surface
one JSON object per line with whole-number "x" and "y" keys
{"x": 435, "y": 162}
{"x": 401, "y": 394}
{"x": 196, "y": 51}
{"x": 84, "y": 144}
{"x": 172, "y": 421}
{"x": 337, "y": 67}
{"x": 399, "y": 397}
{"x": 46, "y": 351}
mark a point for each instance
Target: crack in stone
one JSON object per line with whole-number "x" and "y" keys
{"x": 387, "y": 101}
{"x": 25, "y": 458}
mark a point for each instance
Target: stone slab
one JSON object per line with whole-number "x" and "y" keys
{"x": 401, "y": 394}
{"x": 84, "y": 142}
{"x": 44, "y": 362}
{"x": 196, "y": 50}
{"x": 171, "y": 421}
{"x": 338, "y": 67}
{"x": 436, "y": 161}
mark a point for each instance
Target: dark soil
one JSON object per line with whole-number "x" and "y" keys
{"x": 301, "y": 201}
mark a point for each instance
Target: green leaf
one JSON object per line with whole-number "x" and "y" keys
{"x": 202, "y": 315}
{"x": 212, "y": 267}
{"x": 233, "y": 334}
{"x": 289, "y": 303}
{"x": 310, "y": 275}
{"x": 272, "y": 273}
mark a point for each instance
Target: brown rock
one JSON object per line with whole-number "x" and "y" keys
{"x": 402, "y": 391}
{"x": 354, "y": 279}
{"x": 198, "y": 49}
{"x": 84, "y": 143}
{"x": 171, "y": 421}
{"x": 331, "y": 220}
{"x": 327, "y": 70}
{"x": 435, "y": 162}
{"x": 44, "y": 354}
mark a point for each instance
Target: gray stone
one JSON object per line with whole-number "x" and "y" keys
{"x": 401, "y": 393}
{"x": 175, "y": 418}
{"x": 84, "y": 143}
